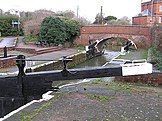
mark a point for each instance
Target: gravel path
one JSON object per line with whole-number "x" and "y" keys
{"x": 98, "y": 101}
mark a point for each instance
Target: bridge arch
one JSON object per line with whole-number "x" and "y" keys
{"x": 138, "y": 34}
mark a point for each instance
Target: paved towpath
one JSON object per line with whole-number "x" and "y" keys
{"x": 8, "y": 42}
{"x": 56, "y": 55}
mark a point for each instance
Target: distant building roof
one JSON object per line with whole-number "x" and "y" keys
{"x": 144, "y": 1}
{"x": 157, "y": 0}
{"x": 149, "y": 1}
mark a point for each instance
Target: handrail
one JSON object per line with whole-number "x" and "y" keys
{"x": 139, "y": 61}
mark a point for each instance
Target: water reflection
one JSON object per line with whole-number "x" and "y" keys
{"x": 97, "y": 61}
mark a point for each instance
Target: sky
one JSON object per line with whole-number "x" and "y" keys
{"x": 87, "y": 8}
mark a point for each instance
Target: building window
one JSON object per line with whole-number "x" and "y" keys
{"x": 160, "y": 8}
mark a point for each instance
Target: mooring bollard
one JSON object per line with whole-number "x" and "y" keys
{"x": 20, "y": 62}
{"x": 5, "y": 52}
{"x": 65, "y": 60}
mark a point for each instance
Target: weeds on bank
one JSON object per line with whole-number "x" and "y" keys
{"x": 117, "y": 86}
{"x": 29, "y": 116}
{"x": 101, "y": 98}
{"x": 161, "y": 117}
{"x": 135, "y": 55}
{"x": 114, "y": 85}
{"x": 30, "y": 38}
{"x": 156, "y": 56}
{"x": 80, "y": 48}
{"x": 124, "y": 86}
{"x": 96, "y": 81}
{"x": 130, "y": 87}
{"x": 145, "y": 54}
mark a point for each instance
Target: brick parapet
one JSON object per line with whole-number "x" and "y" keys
{"x": 132, "y": 30}
{"x": 7, "y": 62}
{"x": 154, "y": 78}
{"x": 104, "y": 31}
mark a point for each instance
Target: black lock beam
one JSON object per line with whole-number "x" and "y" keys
{"x": 67, "y": 74}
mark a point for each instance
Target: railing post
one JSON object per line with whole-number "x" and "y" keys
{"x": 65, "y": 61}
{"x": 5, "y": 52}
{"x": 20, "y": 62}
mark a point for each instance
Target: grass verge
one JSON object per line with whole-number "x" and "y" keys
{"x": 101, "y": 98}
{"x": 29, "y": 116}
{"x": 120, "y": 87}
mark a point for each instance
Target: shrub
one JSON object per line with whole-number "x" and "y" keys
{"x": 156, "y": 57}
{"x": 59, "y": 31}
{"x": 31, "y": 38}
{"x": 72, "y": 29}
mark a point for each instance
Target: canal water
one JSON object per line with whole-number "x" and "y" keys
{"x": 110, "y": 53}
{"x": 99, "y": 61}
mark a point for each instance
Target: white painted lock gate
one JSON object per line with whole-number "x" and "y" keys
{"x": 137, "y": 67}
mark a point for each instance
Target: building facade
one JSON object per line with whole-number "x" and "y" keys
{"x": 151, "y": 12}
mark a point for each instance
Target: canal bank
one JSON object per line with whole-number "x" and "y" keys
{"x": 56, "y": 55}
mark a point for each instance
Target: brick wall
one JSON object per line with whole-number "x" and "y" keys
{"x": 145, "y": 20}
{"x": 154, "y": 8}
{"x": 8, "y": 49}
{"x": 154, "y": 78}
{"x": 130, "y": 30}
{"x": 142, "y": 20}
{"x": 7, "y": 62}
{"x": 26, "y": 50}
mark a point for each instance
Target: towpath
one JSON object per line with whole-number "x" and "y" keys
{"x": 8, "y": 42}
{"x": 56, "y": 55}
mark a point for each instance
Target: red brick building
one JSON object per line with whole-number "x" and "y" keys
{"x": 151, "y": 12}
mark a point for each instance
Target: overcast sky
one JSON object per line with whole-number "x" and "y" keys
{"x": 87, "y": 8}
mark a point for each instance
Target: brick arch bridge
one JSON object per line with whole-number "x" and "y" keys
{"x": 101, "y": 32}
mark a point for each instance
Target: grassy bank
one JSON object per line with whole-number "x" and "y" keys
{"x": 155, "y": 57}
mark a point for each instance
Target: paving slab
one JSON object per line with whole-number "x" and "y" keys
{"x": 8, "y": 42}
